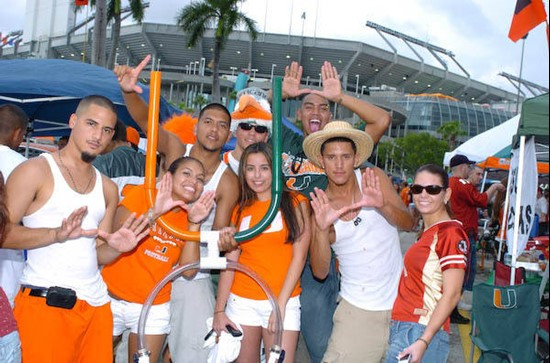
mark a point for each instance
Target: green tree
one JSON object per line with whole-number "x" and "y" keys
{"x": 114, "y": 9}
{"x": 200, "y": 101}
{"x": 222, "y": 15}
{"x": 113, "y": 13}
{"x": 413, "y": 150}
{"x": 450, "y": 131}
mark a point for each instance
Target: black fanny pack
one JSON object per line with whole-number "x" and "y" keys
{"x": 61, "y": 297}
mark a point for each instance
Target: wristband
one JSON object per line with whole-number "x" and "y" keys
{"x": 150, "y": 217}
{"x": 127, "y": 92}
{"x": 423, "y": 341}
{"x": 219, "y": 311}
{"x": 193, "y": 222}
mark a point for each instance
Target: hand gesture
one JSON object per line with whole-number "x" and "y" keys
{"x": 128, "y": 77}
{"x": 325, "y": 214}
{"x": 127, "y": 237}
{"x": 164, "y": 201}
{"x": 227, "y": 240}
{"x": 291, "y": 81}
{"x": 71, "y": 226}
{"x": 332, "y": 89}
{"x": 201, "y": 208}
{"x": 371, "y": 193}
{"x": 416, "y": 350}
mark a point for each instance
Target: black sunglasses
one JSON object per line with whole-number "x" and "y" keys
{"x": 430, "y": 189}
{"x": 258, "y": 128}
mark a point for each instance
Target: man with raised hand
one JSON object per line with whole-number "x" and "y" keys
{"x": 192, "y": 301}
{"x": 66, "y": 208}
{"x": 356, "y": 217}
{"x": 318, "y": 297}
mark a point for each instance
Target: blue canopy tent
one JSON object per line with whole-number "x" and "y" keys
{"x": 49, "y": 90}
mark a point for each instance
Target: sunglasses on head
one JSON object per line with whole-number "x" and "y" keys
{"x": 430, "y": 189}
{"x": 258, "y": 128}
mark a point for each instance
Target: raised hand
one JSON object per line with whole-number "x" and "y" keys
{"x": 164, "y": 201}
{"x": 202, "y": 207}
{"x": 227, "y": 240}
{"x": 127, "y": 237}
{"x": 325, "y": 214}
{"x": 332, "y": 88}
{"x": 71, "y": 227}
{"x": 371, "y": 193}
{"x": 291, "y": 81}
{"x": 128, "y": 77}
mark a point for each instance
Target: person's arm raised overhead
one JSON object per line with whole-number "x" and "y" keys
{"x": 168, "y": 143}
{"x": 377, "y": 119}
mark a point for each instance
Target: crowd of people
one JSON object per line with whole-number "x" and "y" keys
{"x": 331, "y": 256}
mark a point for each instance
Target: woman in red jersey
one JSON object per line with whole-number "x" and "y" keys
{"x": 432, "y": 276}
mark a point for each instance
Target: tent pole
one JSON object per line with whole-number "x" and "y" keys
{"x": 504, "y": 216}
{"x": 518, "y": 208}
{"x": 483, "y": 181}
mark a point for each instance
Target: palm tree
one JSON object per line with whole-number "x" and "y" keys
{"x": 113, "y": 13}
{"x": 450, "y": 131}
{"x": 100, "y": 34}
{"x": 223, "y": 16}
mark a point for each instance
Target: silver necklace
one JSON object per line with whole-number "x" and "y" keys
{"x": 71, "y": 176}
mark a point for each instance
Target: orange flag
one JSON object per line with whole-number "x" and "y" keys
{"x": 81, "y": 2}
{"x": 527, "y": 15}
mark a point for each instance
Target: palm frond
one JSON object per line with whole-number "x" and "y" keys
{"x": 137, "y": 10}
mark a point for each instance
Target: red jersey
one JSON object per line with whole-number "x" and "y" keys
{"x": 442, "y": 246}
{"x": 465, "y": 199}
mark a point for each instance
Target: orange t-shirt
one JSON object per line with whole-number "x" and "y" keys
{"x": 133, "y": 275}
{"x": 267, "y": 254}
{"x": 405, "y": 196}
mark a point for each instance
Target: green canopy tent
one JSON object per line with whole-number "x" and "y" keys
{"x": 533, "y": 124}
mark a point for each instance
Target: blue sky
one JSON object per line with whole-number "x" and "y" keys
{"x": 474, "y": 30}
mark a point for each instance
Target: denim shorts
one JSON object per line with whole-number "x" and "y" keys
{"x": 403, "y": 334}
{"x": 10, "y": 348}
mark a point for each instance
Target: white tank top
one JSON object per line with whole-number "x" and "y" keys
{"x": 370, "y": 260}
{"x": 72, "y": 263}
{"x": 207, "y": 224}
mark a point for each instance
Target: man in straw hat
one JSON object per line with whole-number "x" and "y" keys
{"x": 357, "y": 216}
{"x": 319, "y": 298}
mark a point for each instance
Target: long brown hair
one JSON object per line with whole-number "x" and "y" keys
{"x": 248, "y": 196}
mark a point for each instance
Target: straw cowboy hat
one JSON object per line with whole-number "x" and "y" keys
{"x": 362, "y": 140}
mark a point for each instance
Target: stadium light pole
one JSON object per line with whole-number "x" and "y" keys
{"x": 307, "y": 80}
{"x": 363, "y": 89}
{"x": 357, "y": 85}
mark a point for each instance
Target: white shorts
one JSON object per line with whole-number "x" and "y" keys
{"x": 126, "y": 316}
{"x": 256, "y": 312}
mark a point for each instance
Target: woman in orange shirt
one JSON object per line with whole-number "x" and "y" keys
{"x": 133, "y": 275}
{"x": 278, "y": 255}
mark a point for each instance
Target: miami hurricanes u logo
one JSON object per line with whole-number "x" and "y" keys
{"x": 510, "y": 302}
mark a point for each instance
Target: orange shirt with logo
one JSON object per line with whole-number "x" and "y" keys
{"x": 133, "y": 275}
{"x": 267, "y": 254}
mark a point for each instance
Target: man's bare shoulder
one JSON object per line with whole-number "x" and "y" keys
{"x": 32, "y": 167}
{"x": 228, "y": 180}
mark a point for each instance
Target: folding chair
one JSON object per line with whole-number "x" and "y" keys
{"x": 502, "y": 274}
{"x": 504, "y": 322}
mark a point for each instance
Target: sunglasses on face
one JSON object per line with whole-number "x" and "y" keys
{"x": 258, "y": 128}
{"x": 430, "y": 189}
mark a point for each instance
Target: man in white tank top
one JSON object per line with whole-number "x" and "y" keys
{"x": 357, "y": 216}
{"x": 192, "y": 301}
{"x": 67, "y": 208}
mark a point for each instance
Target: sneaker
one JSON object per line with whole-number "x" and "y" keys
{"x": 464, "y": 306}
{"x": 456, "y": 318}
